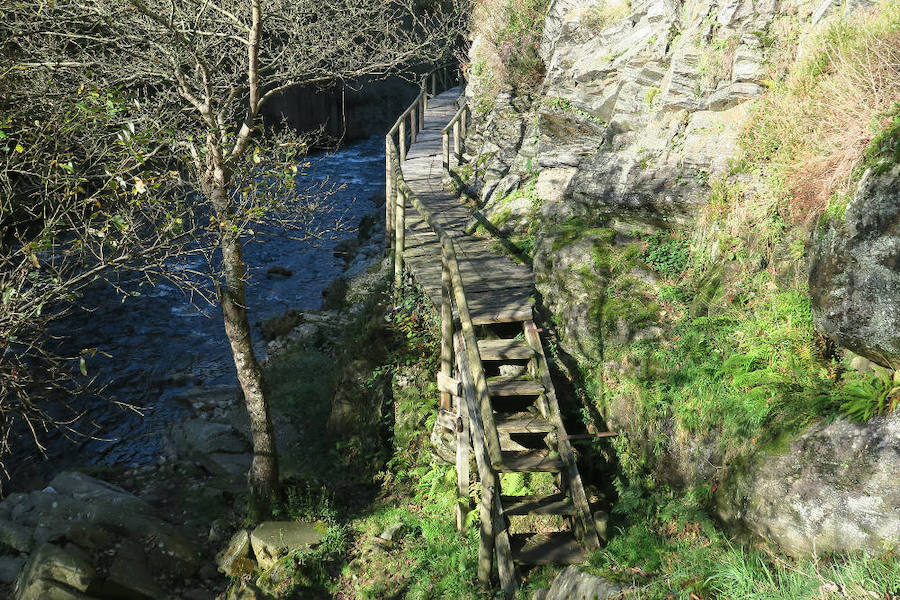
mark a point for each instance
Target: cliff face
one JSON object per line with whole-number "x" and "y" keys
{"x": 642, "y": 167}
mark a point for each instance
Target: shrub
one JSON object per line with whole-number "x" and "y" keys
{"x": 815, "y": 125}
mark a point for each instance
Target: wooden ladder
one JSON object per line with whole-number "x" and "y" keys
{"x": 525, "y": 419}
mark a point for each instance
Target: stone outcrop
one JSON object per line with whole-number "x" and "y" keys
{"x": 273, "y": 539}
{"x": 833, "y": 489}
{"x": 575, "y": 584}
{"x": 641, "y": 108}
{"x": 854, "y": 278}
{"x": 85, "y": 538}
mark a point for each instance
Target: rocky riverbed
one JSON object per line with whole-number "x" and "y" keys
{"x": 159, "y": 519}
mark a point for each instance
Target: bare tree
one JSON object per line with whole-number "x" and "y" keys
{"x": 190, "y": 78}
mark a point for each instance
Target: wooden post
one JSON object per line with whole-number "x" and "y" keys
{"x": 457, "y": 144}
{"x": 493, "y": 534}
{"x": 446, "y": 330}
{"x": 462, "y": 465}
{"x": 400, "y": 233}
{"x": 445, "y": 150}
{"x": 434, "y": 84}
{"x": 402, "y": 140}
{"x": 413, "y": 126}
{"x": 464, "y": 120}
{"x": 388, "y": 193}
{"x": 424, "y": 108}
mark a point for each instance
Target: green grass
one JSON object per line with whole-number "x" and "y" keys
{"x": 665, "y": 559}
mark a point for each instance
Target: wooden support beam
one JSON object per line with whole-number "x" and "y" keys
{"x": 463, "y": 441}
{"x": 446, "y": 334}
{"x": 402, "y": 133}
{"x": 468, "y": 331}
{"x": 400, "y": 222}
{"x": 590, "y": 538}
{"x": 448, "y": 385}
{"x": 388, "y": 193}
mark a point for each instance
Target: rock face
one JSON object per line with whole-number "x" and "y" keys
{"x": 834, "y": 489}
{"x": 574, "y": 584}
{"x": 640, "y": 111}
{"x": 854, "y": 277}
{"x": 85, "y": 539}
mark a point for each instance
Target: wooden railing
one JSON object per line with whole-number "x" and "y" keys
{"x": 401, "y": 136}
{"x": 472, "y": 419}
{"x": 458, "y": 127}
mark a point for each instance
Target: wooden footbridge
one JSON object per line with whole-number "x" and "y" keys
{"x": 497, "y": 396}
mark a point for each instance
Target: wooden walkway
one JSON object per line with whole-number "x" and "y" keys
{"x": 498, "y": 289}
{"x": 497, "y": 398}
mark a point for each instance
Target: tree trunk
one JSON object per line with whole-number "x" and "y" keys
{"x": 264, "y": 470}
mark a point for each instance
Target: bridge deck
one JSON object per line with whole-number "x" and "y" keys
{"x": 498, "y": 290}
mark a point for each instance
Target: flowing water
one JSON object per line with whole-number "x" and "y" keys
{"x": 161, "y": 345}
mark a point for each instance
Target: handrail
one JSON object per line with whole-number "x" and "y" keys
{"x": 415, "y": 114}
{"x": 459, "y": 127}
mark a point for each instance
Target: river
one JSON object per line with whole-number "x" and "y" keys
{"x": 160, "y": 345}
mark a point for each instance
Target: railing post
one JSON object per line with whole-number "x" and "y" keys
{"x": 400, "y": 237}
{"x": 413, "y": 126}
{"x": 486, "y": 533}
{"x": 445, "y": 150}
{"x": 446, "y": 329}
{"x": 388, "y": 193}
{"x": 402, "y": 140}
{"x": 424, "y": 108}
{"x": 457, "y": 143}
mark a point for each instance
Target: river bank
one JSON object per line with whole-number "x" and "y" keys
{"x": 153, "y": 530}
{"x": 156, "y": 350}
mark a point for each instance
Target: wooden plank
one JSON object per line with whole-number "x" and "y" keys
{"x": 446, "y": 384}
{"x": 531, "y": 461}
{"x": 515, "y": 387}
{"x": 523, "y": 422}
{"x": 493, "y": 318}
{"x": 576, "y": 486}
{"x": 485, "y": 474}
{"x": 463, "y": 441}
{"x": 557, "y": 548}
{"x": 504, "y": 350}
{"x": 554, "y": 504}
{"x": 449, "y": 420}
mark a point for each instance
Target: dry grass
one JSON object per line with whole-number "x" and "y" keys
{"x": 815, "y": 127}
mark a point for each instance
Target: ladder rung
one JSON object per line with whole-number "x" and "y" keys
{"x": 557, "y": 548}
{"x": 523, "y": 422}
{"x": 504, "y": 350}
{"x": 515, "y": 387}
{"x": 531, "y": 461}
{"x": 555, "y": 504}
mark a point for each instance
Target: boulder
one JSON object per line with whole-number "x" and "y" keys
{"x": 51, "y": 567}
{"x": 575, "y": 584}
{"x": 235, "y": 559}
{"x": 218, "y": 447}
{"x": 129, "y": 576}
{"x": 15, "y": 537}
{"x": 854, "y": 278}
{"x": 273, "y": 539}
{"x": 76, "y": 510}
{"x": 833, "y": 489}
{"x": 10, "y": 567}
